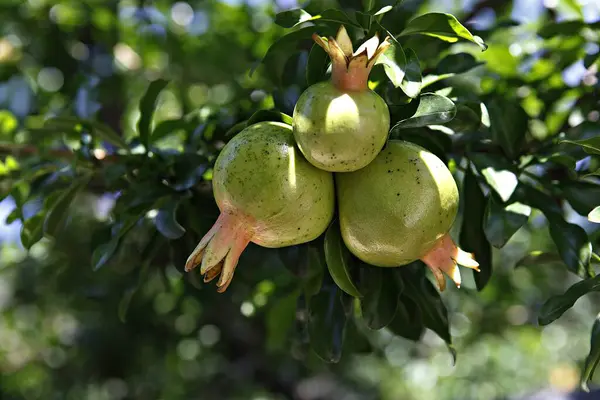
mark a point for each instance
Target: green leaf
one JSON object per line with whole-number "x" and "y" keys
{"x": 591, "y": 145}
{"x": 168, "y": 127}
{"x": 472, "y": 235}
{"x": 435, "y": 141}
{"x": 433, "y": 109}
{"x": 427, "y": 298}
{"x": 411, "y": 84}
{"x": 567, "y": 28}
{"x": 538, "y": 257}
{"x": 103, "y": 253}
{"x": 269, "y": 115}
{"x": 502, "y": 222}
{"x": 497, "y": 173}
{"x": 509, "y": 123}
{"x": 380, "y": 295}
{"x": 442, "y": 26}
{"x": 327, "y": 323}
{"x": 147, "y": 107}
{"x": 560, "y": 159}
{"x": 394, "y": 63}
{"x": 291, "y": 18}
{"x": 556, "y": 306}
{"x": 315, "y": 271}
{"x": 573, "y": 246}
{"x": 582, "y": 196}
{"x": 316, "y": 67}
{"x": 468, "y": 118}
{"x": 237, "y": 128}
{"x": 32, "y": 231}
{"x": 57, "y": 213}
{"x": 166, "y": 221}
{"x": 280, "y": 320}
{"x": 338, "y": 260}
{"x": 457, "y": 64}
{"x": 408, "y": 321}
{"x": 593, "y": 358}
{"x": 594, "y": 215}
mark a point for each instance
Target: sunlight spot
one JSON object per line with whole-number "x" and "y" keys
{"x": 344, "y": 109}
{"x": 50, "y": 79}
{"x": 126, "y": 57}
{"x": 247, "y": 309}
{"x": 292, "y": 166}
{"x": 182, "y": 13}
{"x": 209, "y": 335}
{"x": 188, "y": 349}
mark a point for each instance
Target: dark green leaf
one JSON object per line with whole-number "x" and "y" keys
{"x": 594, "y": 215}
{"x": 147, "y": 107}
{"x": 315, "y": 271}
{"x": 338, "y": 260}
{"x": 364, "y": 19}
{"x": 539, "y": 258}
{"x": 593, "y": 358}
{"x": 95, "y": 128}
{"x": 168, "y": 127}
{"x": 508, "y": 124}
{"x": 537, "y": 199}
{"x": 591, "y": 145}
{"x": 32, "y": 231}
{"x": 419, "y": 289}
{"x": 380, "y": 295}
{"x": 466, "y": 120}
{"x": 411, "y": 84}
{"x": 442, "y": 26}
{"x": 502, "y": 222}
{"x": 573, "y": 246}
{"x": 556, "y": 306}
{"x": 327, "y": 323}
{"x": 166, "y": 221}
{"x": 497, "y": 173}
{"x": 433, "y": 109}
{"x": 394, "y": 63}
{"x": 591, "y": 59}
{"x": 472, "y": 234}
{"x": 568, "y": 28}
{"x": 408, "y": 321}
{"x": 103, "y": 253}
{"x": 57, "y": 213}
{"x": 316, "y": 66}
{"x": 237, "y": 128}
{"x": 457, "y": 64}
{"x": 290, "y": 18}
{"x": 561, "y": 159}
{"x": 280, "y": 320}
{"x": 582, "y": 196}
{"x": 435, "y": 141}
{"x": 269, "y": 115}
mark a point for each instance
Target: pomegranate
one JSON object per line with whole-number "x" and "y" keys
{"x": 399, "y": 209}
{"x": 268, "y": 194}
{"x": 341, "y": 125}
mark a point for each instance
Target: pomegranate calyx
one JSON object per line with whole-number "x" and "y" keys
{"x": 351, "y": 69}
{"x": 443, "y": 259}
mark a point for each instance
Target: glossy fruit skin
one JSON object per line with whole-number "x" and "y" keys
{"x": 340, "y": 131}
{"x": 393, "y": 211}
{"x": 262, "y": 175}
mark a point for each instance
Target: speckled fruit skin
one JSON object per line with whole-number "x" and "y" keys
{"x": 340, "y": 131}
{"x": 393, "y": 211}
{"x": 261, "y": 174}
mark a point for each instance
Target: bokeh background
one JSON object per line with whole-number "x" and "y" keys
{"x": 60, "y": 332}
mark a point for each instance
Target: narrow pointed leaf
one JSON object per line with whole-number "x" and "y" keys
{"x": 280, "y": 320}
{"x": 582, "y": 196}
{"x": 501, "y": 221}
{"x": 556, "y": 306}
{"x": 327, "y": 324}
{"x": 58, "y": 212}
{"x": 166, "y": 221}
{"x": 316, "y": 68}
{"x": 290, "y": 18}
{"x": 593, "y": 358}
{"x": 380, "y": 296}
{"x": 433, "y": 109}
{"x": 498, "y": 173}
{"x": 591, "y": 145}
{"x": 573, "y": 246}
{"x": 442, "y": 26}
{"x": 32, "y": 231}
{"x": 411, "y": 84}
{"x": 339, "y": 261}
{"x": 408, "y": 321}
{"x": 394, "y": 63}
{"x": 509, "y": 123}
{"x": 147, "y": 107}
{"x": 472, "y": 235}
{"x": 269, "y": 115}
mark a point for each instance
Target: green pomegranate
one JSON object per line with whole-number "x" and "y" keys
{"x": 399, "y": 209}
{"x": 341, "y": 125}
{"x": 268, "y": 194}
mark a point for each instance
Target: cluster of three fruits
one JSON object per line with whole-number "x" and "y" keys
{"x": 396, "y": 200}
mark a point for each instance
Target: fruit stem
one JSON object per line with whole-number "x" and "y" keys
{"x": 444, "y": 257}
{"x": 220, "y": 249}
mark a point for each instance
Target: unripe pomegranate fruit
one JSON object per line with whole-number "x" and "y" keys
{"x": 268, "y": 194}
{"x": 399, "y": 209}
{"x": 341, "y": 125}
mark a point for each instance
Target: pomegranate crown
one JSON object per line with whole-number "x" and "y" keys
{"x": 350, "y": 69}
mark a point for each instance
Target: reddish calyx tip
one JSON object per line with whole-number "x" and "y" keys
{"x": 444, "y": 259}
{"x": 220, "y": 249}
{"x": 351, "y": 69}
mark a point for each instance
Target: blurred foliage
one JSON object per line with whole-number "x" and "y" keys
{"x": 112, "y": 114}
